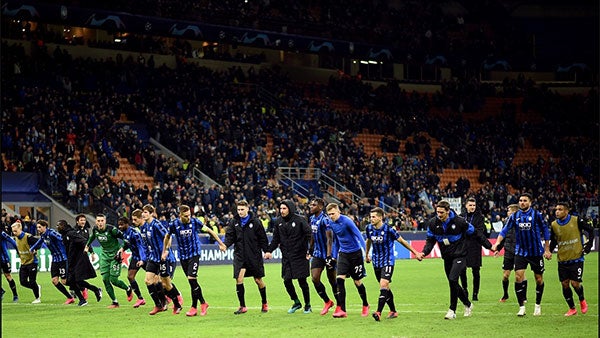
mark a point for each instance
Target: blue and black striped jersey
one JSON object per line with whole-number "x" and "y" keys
{"x": 530, "y": 230}
{"x": 53, "y": 241}
{"x": 154, "y": 236}
{"x": 318, "y": 225}
{"x": 188, "y": 241}
{"x": 135, "y": 243}
{"x": 382, "y": 240}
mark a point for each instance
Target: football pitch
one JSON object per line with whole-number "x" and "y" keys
{"x": 420, "y": 291}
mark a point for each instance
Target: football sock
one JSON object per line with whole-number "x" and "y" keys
{"x": 505, "y": 288}
{"x": 390, "y": 301}
{"x": 154, "y": 295}
{"x": 63, "y": 290}
{"x": 160, "y": 292}
{"x": 579, "y": 292}
{"x": 263, "y": 294}
{"x": 239, "y": 289}
{"x": 136, "y": 288}
{"x": 13, "y": 287}
{"x": 109, "y": 288}
{"x": 341, "y": 294}
{"x": 321, "y": 291}
{"x": 568, "y": 294}
{"x": 362, "y": 291}
{"x": 173, "y": 293}
{"x": 383, "y": 295}
{"x": 520, "y": 291}
{"x": 539, "y": 291}
{"x": 195, "y": 289}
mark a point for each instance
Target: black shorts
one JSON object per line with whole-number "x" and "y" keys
{"x": 133, "y": 264}
{"x": 59, "y": 269}
{"x": 256, "y": 270}
{"x": 509, "y": 261}
{"x": 5, "y": 267}
{"x": 190, "y": 266}
{"x": 351, "y": 264}
{"x": 28, "y": 272}
{"x": 385, "y": 272}
{"x": 162, "y": 268}
{"x": 319, "y": 263}
{"x": 536, "y": 263}
{"x": 571, "y": 271}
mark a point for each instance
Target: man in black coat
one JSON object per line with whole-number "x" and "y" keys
{"x": 248, "y": 234}
{"x": 292, "y": 235}
{"x": 476, "y": 219}
{"x": 79, "y": 267}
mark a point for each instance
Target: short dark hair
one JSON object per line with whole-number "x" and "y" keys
{"x": 443, "y": 204}
{"x": 472, "y": 199}
{"x": 526, "y": 194}
{"x": 378, "y": 211}
{"x": 319, "y": 201}
{"x": 123, "y": 220}
{"x": 43, "y": 223}
{"x": 564, "y": 204}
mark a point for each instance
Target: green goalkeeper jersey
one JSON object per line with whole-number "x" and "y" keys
{"x": 108, "y": 239}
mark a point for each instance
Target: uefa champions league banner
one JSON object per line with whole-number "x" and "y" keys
{"x": 211, "y": 255}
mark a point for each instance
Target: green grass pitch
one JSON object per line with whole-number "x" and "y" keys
{"x": 420, "y": 291}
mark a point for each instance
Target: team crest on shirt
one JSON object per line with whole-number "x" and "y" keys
{"x": 453, "y": 226}
{"x": 293, "y": 224}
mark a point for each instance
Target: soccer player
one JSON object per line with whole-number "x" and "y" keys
{"x": 508, "y": 263}
{"x": 134, "y": 242}
{"x": 318, "y": 249}
{"x": 530, "y": 229}
{"x": 29, "y": 261}
{"x": 381, "y": 237}
{"x": 567, "y": 232}
{"x": 79, "y": 267}
{"x": 187, "y": 230}
{"x": 248, "y": 235}
{"x": 5, "y": 265}
{"x": 449, "y": 231}
{"x": 58, "y": 270}
{"x": 350, "y": 259}
{"x": 159, "y": 271}
{"x": 110, "y": 268}
{"x": 476, "y": 219}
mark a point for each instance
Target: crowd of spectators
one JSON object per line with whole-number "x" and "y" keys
{"x": 55, "y": 106}
{"x": 467, "y": 34}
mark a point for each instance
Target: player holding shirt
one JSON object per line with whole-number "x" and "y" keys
{"x": 381, "y": 237}
{"x": 186, "y": 230}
